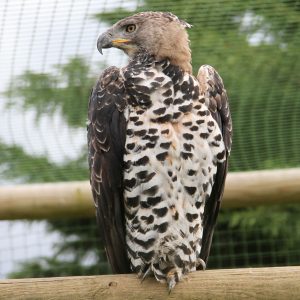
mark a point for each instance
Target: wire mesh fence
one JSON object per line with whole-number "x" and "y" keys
{"x": 49, "y": 61}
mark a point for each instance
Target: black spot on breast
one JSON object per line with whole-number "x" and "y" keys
{"x": 140, "y": 132}
{"x": 198, "y": 204}
{"x": 176, "y": 88}
{"x": 150, "y": 145}
{"x": 133, "y": 201}
{"x": 165, "y": 145}
{"x": 200, "y": 121}
{"x": 205, "y": 186}
{"x": 184, "y": 87}
{"x": 186, "y": 155}
{"x": 160, "y": 212}
{"x": 145, "y": 244}
{"x": 194, "y": 128}
{"x": 135, "y": 220}
{"x": 178, "y": 261}
{"x": 129, "y": 215}
{"x": 178, "y": 101}
{"x": 202, "y": 113}
{"x": 129, "y": 132}
{"x": 176, "y": 215}
{"x": 191, "y": 217}
{"x": 149, "y": 177}
{"x": 143, "y": 89}
{"x": 190, "y": 189}
{"x": 204, "y": 135}
{"x": 152, "y": 201}
{"x": 153, "y": 138}
{"x": 142, "y": 161}
{"x": 140, "y": 112}
{"x": 176, "y": 115}
{"x": 185, "y": 249}
{"x": 168, "y": 101}
{"x": 138, "y": 123}
{"x": 152, "y": 130}
{"x": 155, "y": 85}
{"x": 146, "y": 256}
{"x": 210, "y": 123}
{"x": 130, "y": 146}
{"x": 151, "y": 191}
{"x": 149, "y": 74}
{"x": 167, "y": 93}
{"x": 170, "y": 173}
{"x": 215, "y": 144}
{"x": 221, "y": 155}
{"x": 163, "y": 119}
{"x": 188, "y": 147}
{"x": 168, "y": 85}
{"x": 144, "y": 204}
{"x": 142, "y": 174}
{"x": 162, "y": 227}
{"x": 159, "y": 79}
{"x": 165, "y": 131}
{"x": 162, "y": 156}
{"x": 188, "y": 136}
{"x": 130, "y": 183}
{"x": 186, "y": 108}
{"x": 198, "y": 106}
{"x": 174, "y": 178}
{"x": 160, "y": 111}
{"x": 131, "y": 252}
{"x": 187, "y": 123}
{"x": 191, "y": 172}
{"x": 218, "y": 137}
{"x": 148, "y": 220}
{"x": 134, "y": 119}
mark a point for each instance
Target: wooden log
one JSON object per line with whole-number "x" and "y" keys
{"x": 46, "y": 201}
{"x": 74, "y": 199}
{"x": 261, "y": 283}
{"x": 268, "y": 187}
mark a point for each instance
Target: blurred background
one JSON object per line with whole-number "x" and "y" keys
{"x": 49, "y": 62}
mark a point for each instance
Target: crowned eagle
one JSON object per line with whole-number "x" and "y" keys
{"x": 159, "y": 141}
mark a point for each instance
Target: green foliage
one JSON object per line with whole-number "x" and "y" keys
{"x": 18, "y": 165}
{"x": 66, "y": 91}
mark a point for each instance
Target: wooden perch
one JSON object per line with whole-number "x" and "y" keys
{"x": 261, "y": 283}
{"x": 74, "y": 199}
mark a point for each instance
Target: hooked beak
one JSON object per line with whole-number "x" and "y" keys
{"x": 106, "y": 40}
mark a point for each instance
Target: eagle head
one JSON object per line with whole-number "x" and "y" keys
{"x": 160, "y": 34}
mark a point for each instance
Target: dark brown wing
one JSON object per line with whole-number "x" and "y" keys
{"x": 211, "y": 86}
{"x": 106, "y": 140}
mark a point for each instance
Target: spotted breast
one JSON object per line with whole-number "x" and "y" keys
{"x": 173, "y": 145}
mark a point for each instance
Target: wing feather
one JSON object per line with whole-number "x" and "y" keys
{"x": 212, "y": 88}
{"x": 106, "y": 140}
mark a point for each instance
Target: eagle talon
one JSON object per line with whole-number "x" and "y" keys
{"x": 202, "y": 263}
{"x": 146, "y": 274}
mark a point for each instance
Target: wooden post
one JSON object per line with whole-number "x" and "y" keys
{"x": 74, "y": 199}
{"x": 261, "y": 283}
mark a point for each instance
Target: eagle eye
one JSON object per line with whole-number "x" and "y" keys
{"x": 130, "y": 28}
